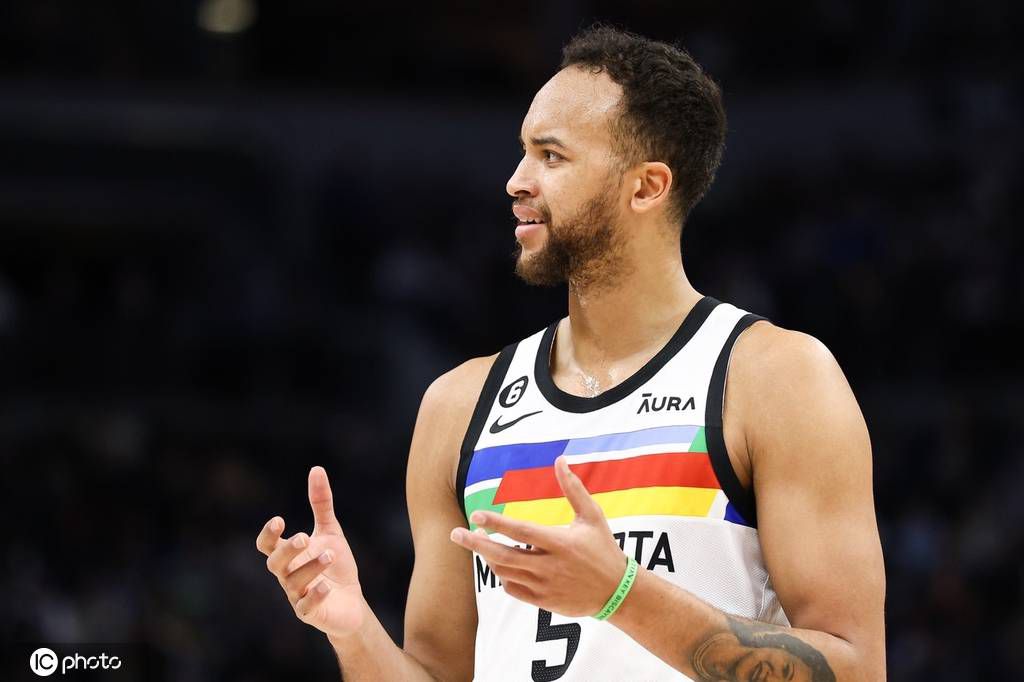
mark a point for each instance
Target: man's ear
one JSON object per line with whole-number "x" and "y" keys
{"x": 652, "y": 183}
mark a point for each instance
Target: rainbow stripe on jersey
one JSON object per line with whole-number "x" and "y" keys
{"x": 657, "y": 471}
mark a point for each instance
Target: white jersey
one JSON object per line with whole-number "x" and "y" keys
{"x": 652, "y": 454}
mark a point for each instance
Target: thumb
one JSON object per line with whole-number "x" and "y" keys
{"x": 322, "y": 502}
{"x": 582, "y": 503}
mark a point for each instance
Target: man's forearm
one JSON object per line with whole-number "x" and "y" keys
{"x": 709, "y": 645}
{"x": 370, "y": 654}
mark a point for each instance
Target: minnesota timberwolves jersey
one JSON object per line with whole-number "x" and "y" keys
{"x": 652, "y": 454}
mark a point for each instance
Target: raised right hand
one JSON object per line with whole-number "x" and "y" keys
{"x": 317, "y": 571}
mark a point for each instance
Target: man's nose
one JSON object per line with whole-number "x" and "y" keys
{"x": 521, "y": 182}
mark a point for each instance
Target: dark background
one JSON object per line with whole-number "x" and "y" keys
{"x": 240, "y": 238}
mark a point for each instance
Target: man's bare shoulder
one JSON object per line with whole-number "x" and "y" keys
{"x": 445, "y": 412}
{"x": 772, "y": 358}
{"x": 456, "y": 391}
{"x": 787, "y": 385}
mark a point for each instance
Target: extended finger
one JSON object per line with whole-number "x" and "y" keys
{"x": 493, "y": 552}
{"x": 532, "y": 534}
{"x": 285, "y": 552}
{"x": 520, "y": 592}
{"x": 577, "y": 494}
{"x": 266, "y": 541}
{"x": 517, "y": 575}
{"x": 298, "y": 581}
{"x": 321, "y": 500}
{"x": 313, "y": 598}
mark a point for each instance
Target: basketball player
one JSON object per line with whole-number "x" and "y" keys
{"x": 696, "y": 472}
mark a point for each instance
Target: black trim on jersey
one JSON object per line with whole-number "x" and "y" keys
{"x": 575, "y": 403}
{"x": 740, "y": 497}
{"x": 476, "y": 424}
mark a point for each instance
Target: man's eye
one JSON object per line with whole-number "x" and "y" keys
{"x": 552, "y": 156}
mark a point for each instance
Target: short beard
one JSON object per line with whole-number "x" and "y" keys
{"x": 584, "y": 250}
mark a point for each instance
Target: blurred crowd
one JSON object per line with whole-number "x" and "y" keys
{"x": 227, "y": 257}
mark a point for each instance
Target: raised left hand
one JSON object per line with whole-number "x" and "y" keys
{"x": 569, "y": 570}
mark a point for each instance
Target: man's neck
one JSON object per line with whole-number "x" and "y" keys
{"x": 623, "y": 324}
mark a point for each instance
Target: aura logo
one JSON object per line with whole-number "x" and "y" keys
{"x": 511, "y": 394}
{"x": 665, "y": 402}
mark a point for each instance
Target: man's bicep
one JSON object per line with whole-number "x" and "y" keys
{"x": 816, "y": 518}
{"x": 440, "y": 616}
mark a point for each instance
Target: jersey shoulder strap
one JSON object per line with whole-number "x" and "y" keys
{"x": 743, "y": 499}
{"x": 476, "y": 423}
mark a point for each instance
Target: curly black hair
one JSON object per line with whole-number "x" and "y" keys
{"x": 671, "y": 110}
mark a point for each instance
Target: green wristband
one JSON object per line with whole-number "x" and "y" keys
{"x": 625, "y": 585}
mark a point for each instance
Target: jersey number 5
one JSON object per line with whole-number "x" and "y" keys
{"x": 546, "y": 632}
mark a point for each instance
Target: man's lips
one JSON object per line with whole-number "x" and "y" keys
{"x": 526, "y": 229}
{"x": 525, "y": 214}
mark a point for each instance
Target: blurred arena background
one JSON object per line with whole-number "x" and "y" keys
{"x": 238, "y": 238}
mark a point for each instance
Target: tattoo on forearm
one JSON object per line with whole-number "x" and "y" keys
{"x": 758, "y": 652}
